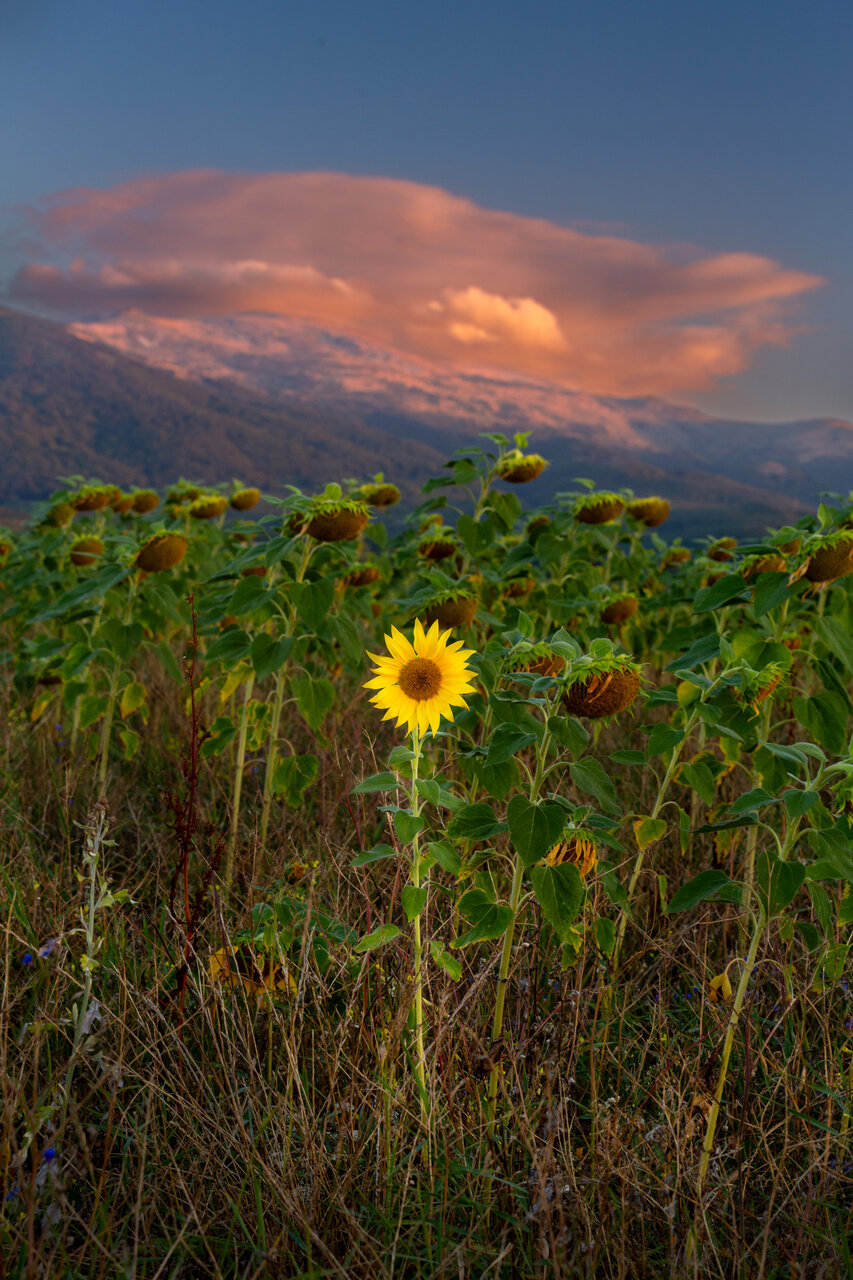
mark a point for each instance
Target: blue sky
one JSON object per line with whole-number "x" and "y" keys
{"x": 723, "y": 127}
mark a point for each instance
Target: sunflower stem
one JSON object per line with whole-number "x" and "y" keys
{"x": 420, "y": 1052}
{"x": 107, "y": 725}
{"x": 238, "y": 783}
{"x": 278, "y": 701}
{"x": 506, "y": 951}
{"x": 713, "y": 1114}
{"x": 638, "y": 863}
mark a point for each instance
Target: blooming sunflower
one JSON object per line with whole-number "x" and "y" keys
{"x": 421, "y": 682}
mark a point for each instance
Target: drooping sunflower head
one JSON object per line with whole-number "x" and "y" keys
{"x": 757, "y": 686}
{"x": 208, "y": 506}
{"x": 829, "y": 556}
{"x": 577, "y": 846}
{"x": 598, "y": 508}
{"x": 649, "y": 511}
{"x": 93, "y": 497}
{"x": 722, "y": 549}
{"x": 519, "y": 468}
{"x": 244, "y": 499}
{"x": 145, "y": 500}
{"x": 421, "y": 681}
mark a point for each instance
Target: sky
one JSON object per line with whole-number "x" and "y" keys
{"x": 629, "y": 199}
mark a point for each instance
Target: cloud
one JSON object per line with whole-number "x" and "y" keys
{"x": 415, "y": 267}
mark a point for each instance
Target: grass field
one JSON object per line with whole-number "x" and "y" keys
{"x": 545, "y": 974}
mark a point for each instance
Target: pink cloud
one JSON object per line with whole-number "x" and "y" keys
{"x": 417, "y": 267}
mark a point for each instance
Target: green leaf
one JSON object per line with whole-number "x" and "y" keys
{"x": 248, "y": 595}
{"x": 436, "y": 794}
{"x": 232, "y": 646}
{"x": 378, "y": 938}
{"x": 663, "y": 738}
{"x": 293, "y": 775}
{"x": 589, "y": 776}
{"x": 506, "y": 740}
{"x": 605, "y": 935}
{"x": 407, "y": 826}
{"x": 786, "y": 879}
{"x": 123, "y": 638}
{"x": 315, "y": 698}
{"x": 799, "y": 802}
{"x": 223, "y": 730}
{"x": 825, "y": 717}
{"x": 445, "y": 960}
{"x": 559, "y": 892}
{"x": 713, "y": 597}
{"x": 347, "y": 634}
{"x": 771, "y": 590}
{"x": 476, "y": 822}
{"x": 92, "y": 707}
{"x": 130, "y": 742}
{"x": 698, "y": 776}
{"x": 702, "y": 650}
{"x": 414, "y": 899}
{"x": 445, "y": 855}
{"x": 497, "y": 781}
{"x": 269, "y": 654}
{"x": 628, "y": 757}
{"x": 569, "y": 732}
{"x": 706, "y": 885}
{"x": 534, "y": 828}
{"x": 489, "y": 919}
{"x": 376, "y": 782}
{"x": 835, "y": 864}
{"x": 313, "y": 601}
{"x": 845, "y": 908}
{"x": 476, "y": 536}
{"x": 809, "y": 934}
{"x": 379, "y": 853}
{"x": 835, "y": 637}
{"x": 751, "y": 801}
{"x": 132, "y": 698}
{"x": 648, "y": 831}
{"x": 822, "y": 906}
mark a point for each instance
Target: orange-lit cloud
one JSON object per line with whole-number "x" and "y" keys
{"x": 416, "y": 267}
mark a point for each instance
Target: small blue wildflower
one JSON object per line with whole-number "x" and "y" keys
{"x": 48, "y": 949}
{"x": 28, "y": 958}
{"x": 10, "y": 1195}
{"x": 49, "y": 1154}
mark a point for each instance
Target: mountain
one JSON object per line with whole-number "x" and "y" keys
{"x": 74, "y": 407}
{"x": 273, "y": 401}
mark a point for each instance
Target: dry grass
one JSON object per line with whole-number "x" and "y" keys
{"x": 239, "y": 1140}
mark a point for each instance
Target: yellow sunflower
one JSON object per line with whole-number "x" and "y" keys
{"x": 421, "y": 682}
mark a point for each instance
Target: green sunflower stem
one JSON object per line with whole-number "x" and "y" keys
{"x": 420, "y": 1051}
{"x": 278, "y": 702}
{"x": 622, "y": 926}
{"x": 713, "y": 1114}
{"x": 506, "y": 951}
{"x": 106, "y": 727}
{"x": 238, "y": 783}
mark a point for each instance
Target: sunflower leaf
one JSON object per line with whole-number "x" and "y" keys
{"x": 378, "y": 938}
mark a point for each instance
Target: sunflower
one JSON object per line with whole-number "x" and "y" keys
{"x": 421, "y": 682}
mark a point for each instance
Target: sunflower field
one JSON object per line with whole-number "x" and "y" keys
{"x": 460, "y": 892}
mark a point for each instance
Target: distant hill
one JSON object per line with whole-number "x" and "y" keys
{"x": 275, "y": 401}
{"x": 72, "y": 407}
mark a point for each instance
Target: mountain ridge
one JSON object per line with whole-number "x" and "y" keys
{"x": 71, "y": 403}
